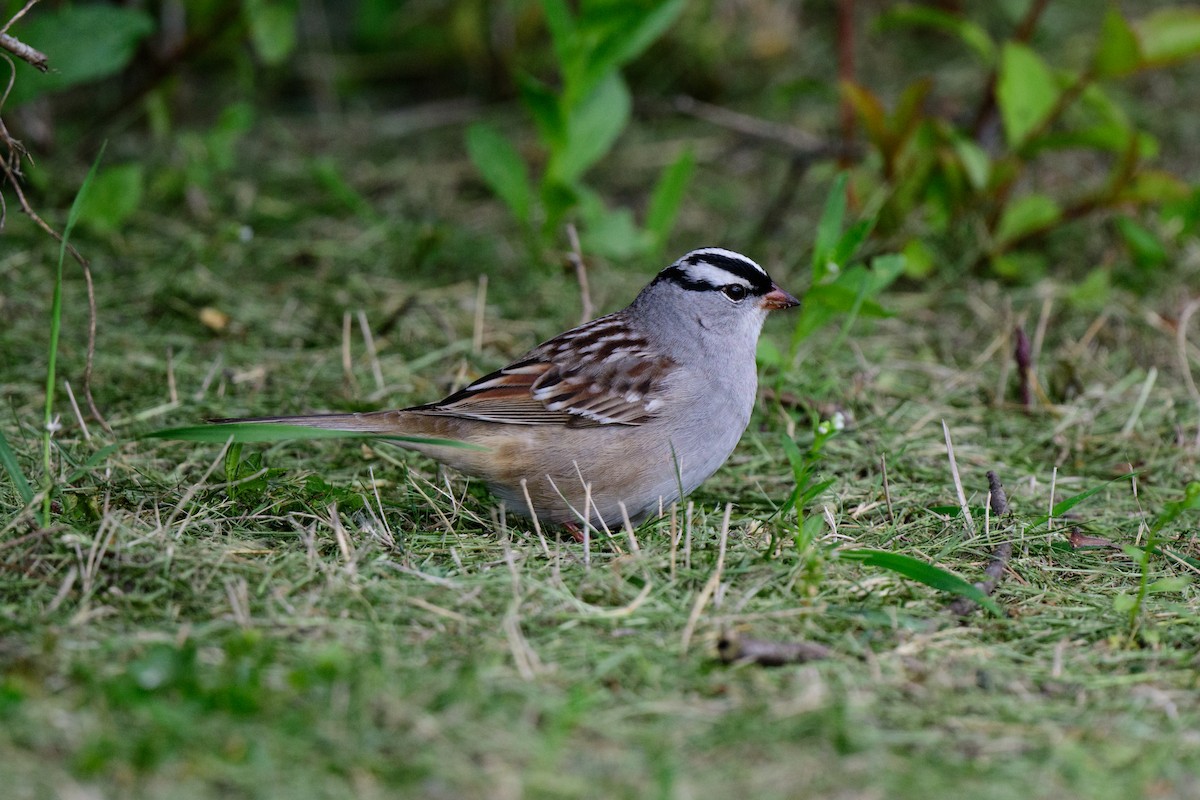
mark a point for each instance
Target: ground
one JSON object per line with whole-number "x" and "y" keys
{"x": 354, "y": 622}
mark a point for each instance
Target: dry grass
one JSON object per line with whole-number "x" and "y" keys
{"x": 344, "y": 619}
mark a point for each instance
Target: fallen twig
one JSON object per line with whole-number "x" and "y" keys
{"x": 958, "y": 487}
{"x": 962, "y": 606}
{"x": 1023, "y": 354}
{"x": 1079, "y": 539}
{"x": 800, "y": 142}
{"x": 734, "y": 649}
{"x": 36, "y": 58}
{"x": 10, "y": 166}
{"x": 575, "y": 257}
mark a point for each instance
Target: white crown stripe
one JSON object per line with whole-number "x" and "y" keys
{"x": 721, "y": 251}
{"x": 703, "y": 272}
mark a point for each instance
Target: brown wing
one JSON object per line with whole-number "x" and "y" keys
{"x": 600, "y": 373}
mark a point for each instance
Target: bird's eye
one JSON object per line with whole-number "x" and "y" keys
{"x": 735, "y": 292}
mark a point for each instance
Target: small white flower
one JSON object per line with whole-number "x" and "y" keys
{"x": 54, "y": 425}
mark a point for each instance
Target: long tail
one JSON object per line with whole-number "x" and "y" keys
{"x": 372, "y": 422}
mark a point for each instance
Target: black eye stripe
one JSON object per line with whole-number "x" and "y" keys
{"x": 760, "y": 284}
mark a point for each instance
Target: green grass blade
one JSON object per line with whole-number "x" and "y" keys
{"x": 829, "y": 228}
{"x": 258, "y": 432}
{"x": 1074, "y": 500}
{"x": 9, "y": 459}
{"x": 91, "y": 462}
{"x": 56, "y": 326}
{"x": 922, "y": 572}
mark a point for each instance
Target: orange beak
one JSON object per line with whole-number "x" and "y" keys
{"x": 777, "y": 299}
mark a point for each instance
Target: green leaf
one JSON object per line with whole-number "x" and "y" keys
{"x": 885, "y": 269}
{"x": 768, "y": 354}
{"x": 502, "y": 169}
{"x": 975, "y": 161}
{"x": 1173, "y": 584}
{"x": 563, "y": 36}
{"x": 1026, "y": 92}
{"x": 1154, "y": 187}
{"x": 272, "y": 26}
{"x": 613, "y": 234}
{"x": 9, "y": 460}
{"x": 920, "y": 571}
{"x": 668, "y": 197}
{"x": 223, "y": 140}
{"x": 1023, "y": 216}
{"x": 968, "y": 32}
{"x": 1173, "y": 510}
{"x": 1096, "y": 121}
{"x": 849, "y": 293}
{"x": 1147, "y": 251}
{"x": 1123, "y": 603}
{"x": 92, "y": 461}
{"x": 850, "y": 241}
{"x": 592, "y": 128}
{"x": 329, "y": 176}
{"x": 829, "y": 230}
{"x": 543, "y": 105}
{"x": 1169, "y": 35}
{"x": 559, "y": 198}
{"x": 1134, "y": 553}
{"x": 114, "y": 196}
{"x": 84, "y": 42}
{"x": 247, "y": 432}
{"x": 624, "y": 31}
{"x": 918, "y": 259}
{"x": 1118, "y": 52}
{"x": 1025, "y": 266}
{"x": 871, "y": 113}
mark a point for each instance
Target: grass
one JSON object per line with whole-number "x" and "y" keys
{"x": 334, "y": 618}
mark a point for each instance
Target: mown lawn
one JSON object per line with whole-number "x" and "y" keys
{"x": 345, "y": 620}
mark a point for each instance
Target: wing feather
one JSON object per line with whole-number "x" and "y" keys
{"x": 601, "y": 373}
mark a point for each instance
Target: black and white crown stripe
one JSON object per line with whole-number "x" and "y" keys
{"x": 714, "y": 267}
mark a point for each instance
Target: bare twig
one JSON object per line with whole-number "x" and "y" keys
{"x": 36, "y": 58}
{"x": 369, "y": 343}
{"x": 845, "y": 58}
{"x": 11, "y": 176}
{"x": 1023, "y": 353}
{"x": 800, "y": 142}
{"x": 28, "y": 5}
{"x": 958, "y": 487}
{"x": 10, "y": 165}
{"x": 480, "y": 314}
{"x": 575, "y": 256}
{"x": 998, "y": 504}
{"x": 91, "y": 347}
{"x": 348, "y": 378}
{"x": 710, "y": 587}
{"x": 887, "y": 489}
{"x": 736, "y": 649}
{"x": 1024, "y": 31}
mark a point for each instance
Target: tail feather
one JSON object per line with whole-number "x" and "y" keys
{"x": 371, "y": 422}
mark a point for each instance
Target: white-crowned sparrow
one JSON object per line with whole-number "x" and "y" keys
{"x": 634, "y": 408}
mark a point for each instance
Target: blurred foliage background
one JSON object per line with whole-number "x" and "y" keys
{"x": 985, "y": 138}
{"x": 279, "y": 173}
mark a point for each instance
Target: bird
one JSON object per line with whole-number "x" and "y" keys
{"x": 615, "y": 419}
